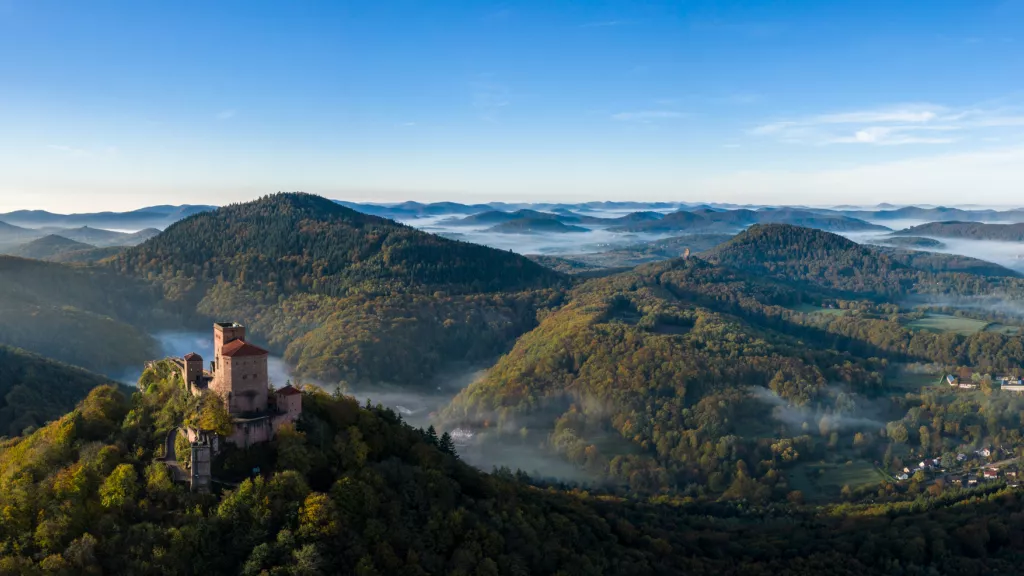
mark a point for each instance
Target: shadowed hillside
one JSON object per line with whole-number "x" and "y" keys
{"x": 35, "y": 390}
{"x": 89, "y": 317}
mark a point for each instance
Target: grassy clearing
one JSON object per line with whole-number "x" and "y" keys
{"x": 947, "y": 323}
{"x": 912, "y": 382}
{"x": 1003, "y": 329}
{"x": 820, "y": 481}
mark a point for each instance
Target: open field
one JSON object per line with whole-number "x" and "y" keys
{"x": 818, "y": 480}
{"x": 947, "y": 323}
{"x": 912, "y": 382}
{"x": 1003, "y": 329}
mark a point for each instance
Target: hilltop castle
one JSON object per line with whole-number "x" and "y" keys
{"x": 238, "y": 374}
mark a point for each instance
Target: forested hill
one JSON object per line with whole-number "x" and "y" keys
{"x": 969, "y": 231}
{"x": 49, "y": 247}
{"x": 292, "y": 242}
{"x": 35, "y": 390}
{"x": 828, "y": 260}
{"x": 344, "y": 295}
{"x": 353, "y": 490}
{"x": 90, "y": 317}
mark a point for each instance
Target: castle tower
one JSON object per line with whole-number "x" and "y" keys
{"x": 223, "y": 333}
{"x": 240, "y": 375}
{"x": 193, "y": 369}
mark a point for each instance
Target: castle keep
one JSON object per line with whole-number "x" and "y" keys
{"x": 238, "y": 374}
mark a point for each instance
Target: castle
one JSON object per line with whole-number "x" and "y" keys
{"x": 238, "y": 374}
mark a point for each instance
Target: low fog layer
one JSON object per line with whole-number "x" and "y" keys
{"x": 597, "y": 239}
{"x": 1008, "y": 254}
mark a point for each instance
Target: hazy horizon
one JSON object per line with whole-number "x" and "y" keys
{"x": 120, "y": 104}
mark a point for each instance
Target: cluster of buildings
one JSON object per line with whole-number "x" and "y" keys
{"x": 238, "y": 374}
{"x": 1007, "y": 383}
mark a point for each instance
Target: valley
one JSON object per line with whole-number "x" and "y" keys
{"x": 778, "y": 366}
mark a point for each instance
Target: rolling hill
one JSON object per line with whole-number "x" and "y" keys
{"x": 345, "y": 295}
{"x": 831, "y": 261}
{"x": 968, "y": 231}
{"x": 48, "y": 247}
{"x": 536, "y": 226}
{"x": 88, "y": 317}
{"x": 103, "y": 238}
{"x": 707, "y": 220}
{"x": 12, "y": 236}
{"x": 35, "y": 390}
{"x": 354, "y": 490}
{"x": 150, "y": 217}
{"x": 642, "y": 376}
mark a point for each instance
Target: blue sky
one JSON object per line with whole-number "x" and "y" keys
{"x": 113, "y": 105}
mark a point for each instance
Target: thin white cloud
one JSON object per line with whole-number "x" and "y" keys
{"x": 648, "y": 116}
{"x": 603, "y": 24}
{"x": 920, "y": 123}
{"x": 489, "y": 97}
{"x": 225, "y": 114}
{"x": 75, "y": 152}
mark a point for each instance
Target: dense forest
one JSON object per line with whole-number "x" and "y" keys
{"x": 833, "y": 262}
{"x": 744, "y": 411}
{"x": 664, "y": 379}
{"x": 35, "y": 390}
{"x": 354, "y": 490}
{"x": 344, "y": 296}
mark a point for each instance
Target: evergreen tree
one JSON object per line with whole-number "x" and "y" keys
{"x": 432, "y": 435}
{"x": 446, "y": 444}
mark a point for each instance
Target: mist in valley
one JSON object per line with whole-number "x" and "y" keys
{"x": 487, "y": 448}
{"x": 597, "y": 239}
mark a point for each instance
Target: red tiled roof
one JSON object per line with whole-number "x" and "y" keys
{"x": 241, "y": 348}
{"x": 288, "y": 391}
{"x": 193, "y": 356}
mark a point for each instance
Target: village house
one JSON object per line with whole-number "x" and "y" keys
{"x": 1011, "y": 384}
{"x": 972, "y": 480}
{"x": 991, "y": 473}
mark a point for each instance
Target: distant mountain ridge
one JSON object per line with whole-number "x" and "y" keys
{"x": 968, "y": 231}
{"x": 536, "y": 226}
{"x": 48, "y": 246}
{"x": 12, "y": 237}
{"x": 708, "y": 220}
{"x": 149, "y": 217}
